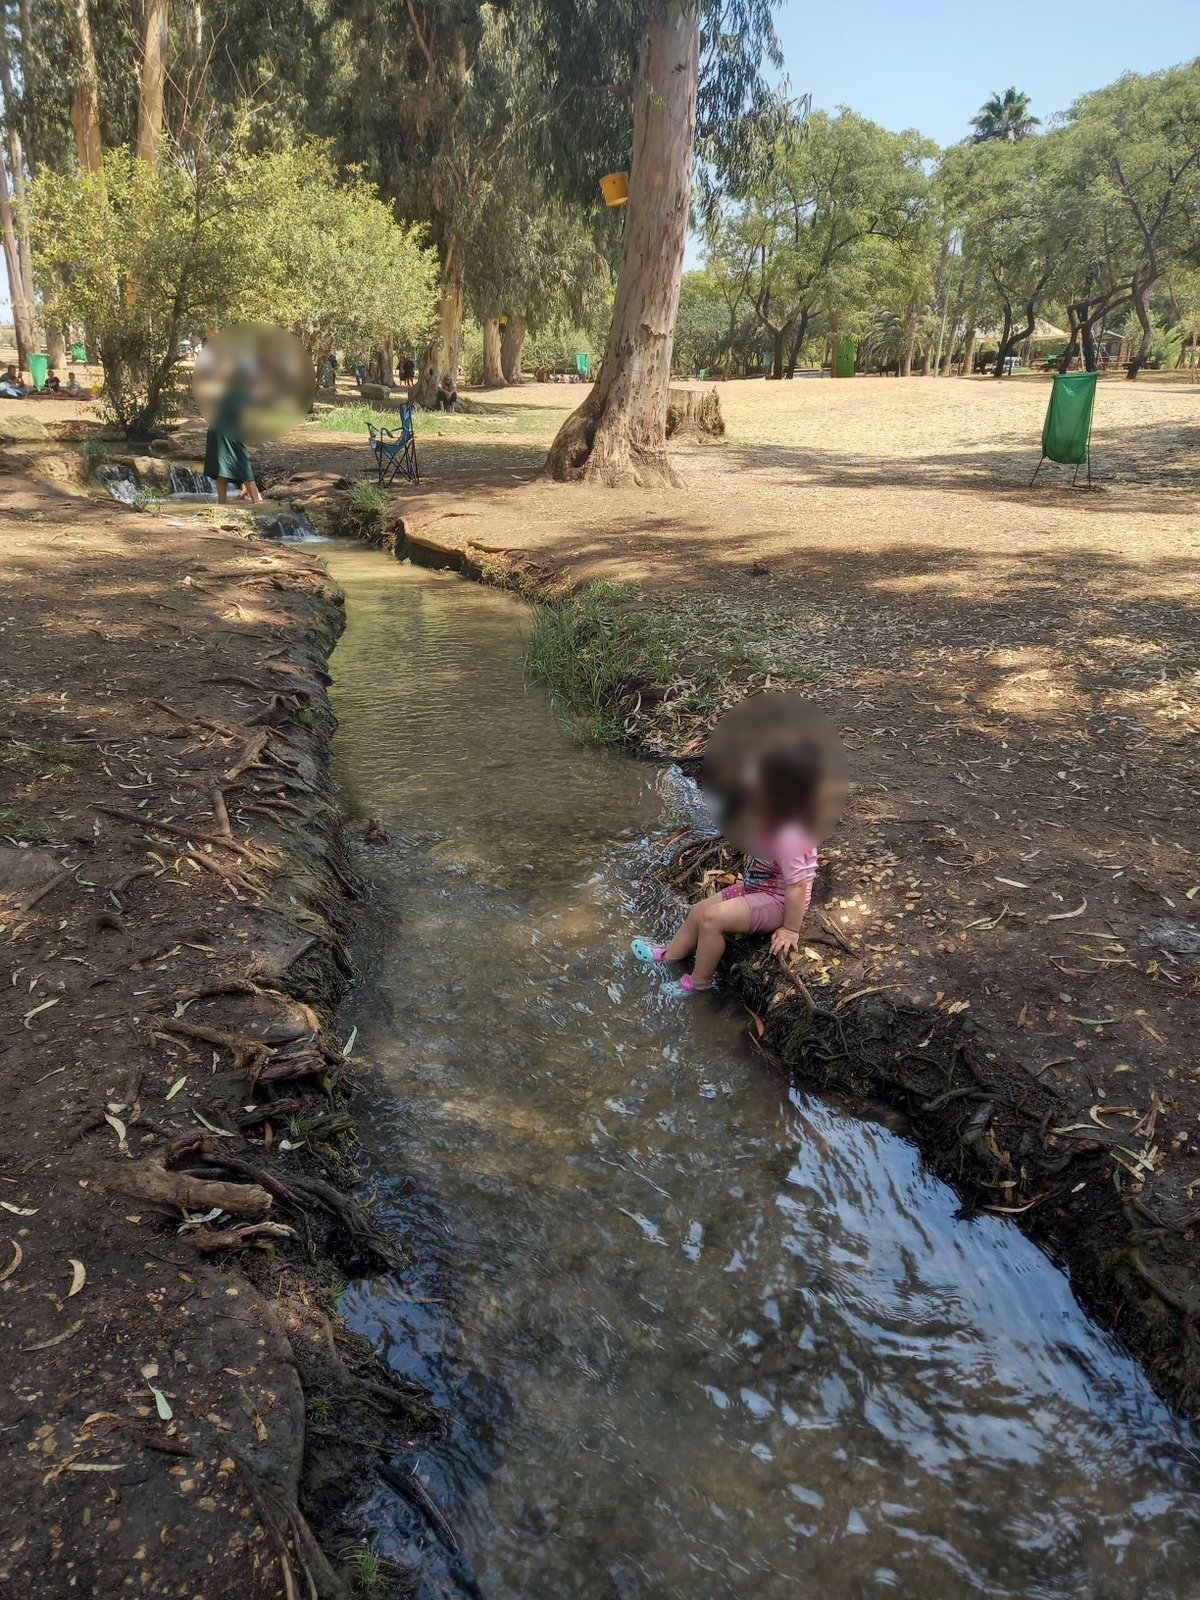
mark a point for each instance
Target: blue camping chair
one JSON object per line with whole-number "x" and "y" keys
{"x": 395, "y": 449}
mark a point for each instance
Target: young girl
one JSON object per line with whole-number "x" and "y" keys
{"x": 777, "y": 822}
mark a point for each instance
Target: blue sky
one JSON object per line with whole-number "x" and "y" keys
{"x": 930, "y": 64}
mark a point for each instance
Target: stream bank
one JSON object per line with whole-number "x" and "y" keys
{"x": 186, "y": 1412}
{"x": 1061, "y": 1101}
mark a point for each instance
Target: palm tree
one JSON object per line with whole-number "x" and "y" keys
{"x": 1005, "y": 116}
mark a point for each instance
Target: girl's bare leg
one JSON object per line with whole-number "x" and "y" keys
{"x": 222, "y": 490}
{"x": 684, "y": 942}
{"x": 251, "y": 491}
{"x": 716, "y": 919}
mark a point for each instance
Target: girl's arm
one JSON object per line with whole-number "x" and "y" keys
{"x": 795, "y": 905}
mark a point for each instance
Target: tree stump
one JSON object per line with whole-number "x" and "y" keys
{"x": 694, "y": 413}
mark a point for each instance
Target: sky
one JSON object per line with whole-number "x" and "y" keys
{"x": 930, "y": 64}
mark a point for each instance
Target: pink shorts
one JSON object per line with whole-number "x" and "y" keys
{"x": 766, "y": 912}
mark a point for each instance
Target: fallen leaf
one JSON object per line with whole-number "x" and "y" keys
{"x": 1012, "y": 883}
{"x": 161, "y": 1404}
{"x": 118, "y": 1128}
{"x": 175, "y": 1087}
{"x": 19, "y": 1211}
{"x": 12, "y": 1266}
{"x": 59, "y": 1338}
{"x": 1065, "y": 916}
{"x": 349, "y": 1044}
{"x": 78, "y": 1277}
{"x": 29, "y": 1015}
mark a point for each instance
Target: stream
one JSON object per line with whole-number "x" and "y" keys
{"x": 698, "y": 1333}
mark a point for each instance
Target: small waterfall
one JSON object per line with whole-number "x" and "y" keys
{"x": 189, "y": 480}
{"x": 121, "y": 481}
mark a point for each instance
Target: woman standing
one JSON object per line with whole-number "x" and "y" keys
{"x": 225, "y": 455}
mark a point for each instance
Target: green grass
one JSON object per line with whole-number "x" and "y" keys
{"x": 367, "y": 498}
{"x": 487, "y": 417}
{"x": 16, "y": 825}
{"x": 320, "y": 1408}
{"x": 596, "y": 649}
{"x": 368, "y": 1573}
{"x": 615, "y": 659}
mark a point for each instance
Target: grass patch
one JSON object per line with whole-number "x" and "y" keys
{"x": 596, "y": 650}
{"x": 624, "y": 664}
{"x": 20, "y": 829}
{"x": 367, "y": 498}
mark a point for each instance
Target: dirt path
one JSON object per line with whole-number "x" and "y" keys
{"x": 1015, "y": 674}
{"x": 169, "y": 912}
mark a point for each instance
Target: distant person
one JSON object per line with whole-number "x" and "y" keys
{"x": 446, "y": 398}
{"x": 75, "y": 389}
{"x": 226, "y": 458}
{"x": 53, "y": 384}
{"x": 10, "y": 385}
{"x": 408, "y": 369}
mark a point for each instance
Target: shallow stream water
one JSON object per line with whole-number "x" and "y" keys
{"x": 697, "y": 1333}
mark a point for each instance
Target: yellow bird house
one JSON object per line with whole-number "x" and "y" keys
{"x": 615, "y": 188}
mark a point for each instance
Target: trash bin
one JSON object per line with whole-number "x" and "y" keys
{"x": 79, "y": 354}
{"x": 38, "y": 366}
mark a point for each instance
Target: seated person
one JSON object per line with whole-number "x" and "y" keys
{"x": 53, "y": 385}
{"x": 10, "y": 385}
{"x": 408, "y": 370}
{"x": 75, "y": 389}
{"x": 446, "y": 398}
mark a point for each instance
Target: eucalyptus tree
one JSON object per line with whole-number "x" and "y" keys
{"x": 664, "y": 74}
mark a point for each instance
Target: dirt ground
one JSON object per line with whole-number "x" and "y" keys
{"x": 169, "y": 914}
{"x": 1015, "y": 673}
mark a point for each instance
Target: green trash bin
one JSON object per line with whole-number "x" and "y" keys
{"x": 79, "y": 354}
{"x": 581, "y": 363}
{"x": 844, "y": 358}
{"x": 1067, "y": 430}
{"x": 38, "y": 366}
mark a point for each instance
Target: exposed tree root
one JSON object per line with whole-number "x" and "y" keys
{"x": 293, "y": 1538}
{"x": 153, "y": 1180}
{"x": 247, "y": 1236}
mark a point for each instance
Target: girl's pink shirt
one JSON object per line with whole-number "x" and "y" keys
{"x": 782, "y": 859}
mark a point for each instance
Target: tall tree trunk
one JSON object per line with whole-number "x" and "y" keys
{"x": 794, "y": 350}
{"x": 511, "y": 348}
{"x": 1138, "y": 360}
{"x": 154, "y": 73}
{"x": 22, "y": 321}
{"x": 618, "y": 434}
{"x": 21, "y": 286}
{"x": 969, "y": 353}
{"x": 493, "y": 370}
{"x": 777, "y": 362}
{"x": 442, "y": 355}
{"x": 910, "y": 343}
{"x": 387, "y": 364}
{"x": 85, "y": 108}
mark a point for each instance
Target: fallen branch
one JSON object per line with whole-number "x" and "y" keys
{"x": 153, "y": 1181}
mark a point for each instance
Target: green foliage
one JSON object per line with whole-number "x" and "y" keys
{"x": 141, "y": 257}
{"x": 367, "y": 498}
{"x": 337, "y": 269}
{"x": 1005, "y": 117}
{"x": 595, "y": 650}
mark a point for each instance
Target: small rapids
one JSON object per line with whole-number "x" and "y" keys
{"x": 697, "y": 1333}
{"x": 178, "y": 486}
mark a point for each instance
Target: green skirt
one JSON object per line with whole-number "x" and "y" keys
{"x": 227, "y": 457}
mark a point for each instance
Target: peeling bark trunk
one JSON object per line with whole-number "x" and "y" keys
{"x": 493, "y": 369}
{"x": 85, "y": 107}
{"x": 22, "y": 321}
{"x": 442, "y": 355}
{"x": 21, "y": 284}
{"x": 618, "y": 434}
{"x": 969, "y": 354}
{"x": 511, "y": 349}
{"x": 154, "y": 72}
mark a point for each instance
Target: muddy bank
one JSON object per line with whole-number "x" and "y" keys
{"x": 1036, "y": 1055}
{"x": 184, "y": 1413}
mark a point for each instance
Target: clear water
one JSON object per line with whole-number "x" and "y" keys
{"x": 698, "y": 1334}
